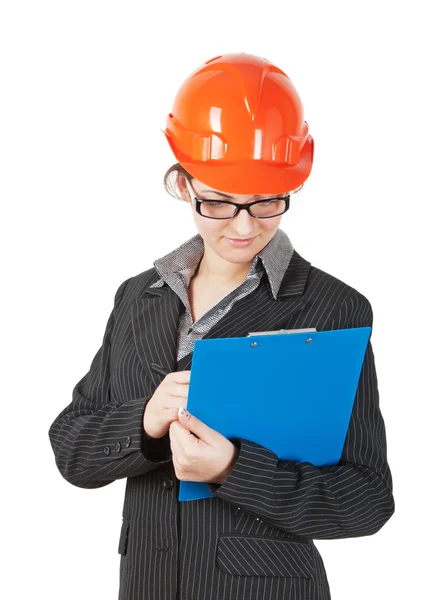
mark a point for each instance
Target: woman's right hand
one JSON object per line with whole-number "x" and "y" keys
{"x": 162, "y": 408}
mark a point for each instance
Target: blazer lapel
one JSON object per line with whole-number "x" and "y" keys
{"x": 154, "y": 316}
{"x": 156, "y": 313}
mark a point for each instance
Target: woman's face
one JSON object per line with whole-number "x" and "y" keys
{"x": 217, "y": 233}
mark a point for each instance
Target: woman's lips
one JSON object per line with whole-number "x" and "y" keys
{"x": 240, "y": 243}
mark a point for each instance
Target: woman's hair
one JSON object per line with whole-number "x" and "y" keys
{"x": 171, "y": 180}
{"x": 175, "y": 171}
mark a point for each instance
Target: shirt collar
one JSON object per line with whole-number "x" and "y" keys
{"x": 275, "y": 258}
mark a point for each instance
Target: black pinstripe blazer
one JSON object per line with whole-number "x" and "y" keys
{"x": 254, "y": 538}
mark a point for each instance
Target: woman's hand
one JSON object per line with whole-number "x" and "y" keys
{"x": 162, "y": 408}
{"x": 206, "y": 456}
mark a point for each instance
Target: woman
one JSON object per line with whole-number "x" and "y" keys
{"x": 242, "y": 145}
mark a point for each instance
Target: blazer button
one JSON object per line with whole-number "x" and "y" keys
{"x": 127, "y": 442}
{"x": 118, "y": 446}
{"x": 168, "y": 483}
{"x": 107, "y": 450}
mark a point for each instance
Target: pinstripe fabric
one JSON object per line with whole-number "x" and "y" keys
{"x": 254, "y": 537}
{"x": 178, "y": 267}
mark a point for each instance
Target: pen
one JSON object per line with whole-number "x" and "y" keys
{"x": 159, "y": 369}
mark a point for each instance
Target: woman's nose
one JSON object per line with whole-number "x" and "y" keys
{"x": 243, "y": 222}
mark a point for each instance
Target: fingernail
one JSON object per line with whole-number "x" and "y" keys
{"x": 184, "y": 413}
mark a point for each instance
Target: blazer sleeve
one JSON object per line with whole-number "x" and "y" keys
{"x": 352, "y": 498}
{"x": 95, "y": 440}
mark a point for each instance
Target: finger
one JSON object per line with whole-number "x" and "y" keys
{"x": 178, "y": 390}
{"x": 179, "y": 376}
{"x": 176, "y": 404}
{"x": 180, "y": 433}
{"x": 197, "y": 427}
{"x": 177, "y": 440}
{"x": 172, "y": 413}
{"x": 173, "y": 441}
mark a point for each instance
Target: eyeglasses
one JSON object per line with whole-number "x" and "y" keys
{"x": 224, "y": 209}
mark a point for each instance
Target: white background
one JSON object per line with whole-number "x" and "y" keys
{"x": 86, "y": 88}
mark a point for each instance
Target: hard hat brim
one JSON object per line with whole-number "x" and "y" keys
{"x": 252, "y": 176}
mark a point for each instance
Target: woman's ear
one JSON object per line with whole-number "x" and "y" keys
{"x": 182, "y": 188}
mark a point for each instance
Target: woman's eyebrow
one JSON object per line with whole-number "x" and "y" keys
{"x": 228, "y": 195}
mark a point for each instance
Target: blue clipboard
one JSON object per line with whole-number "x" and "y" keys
{"x": 291, "y": 393}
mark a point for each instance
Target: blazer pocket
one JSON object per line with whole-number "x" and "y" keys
{"x": 123, "y": 538}
{"x": 263, "y": 557}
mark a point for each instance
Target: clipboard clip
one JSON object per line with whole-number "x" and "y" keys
{"x": 254, "y": 344}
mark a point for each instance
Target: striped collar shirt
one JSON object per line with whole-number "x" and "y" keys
{"x": 177, "y": 268}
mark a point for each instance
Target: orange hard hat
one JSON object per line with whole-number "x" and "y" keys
{"x": 237, "y": 125}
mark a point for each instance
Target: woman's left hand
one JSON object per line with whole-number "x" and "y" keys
{"x": 209, "y": 457}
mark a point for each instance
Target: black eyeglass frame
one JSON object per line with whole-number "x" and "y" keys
{"x": 239, "y": 207}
